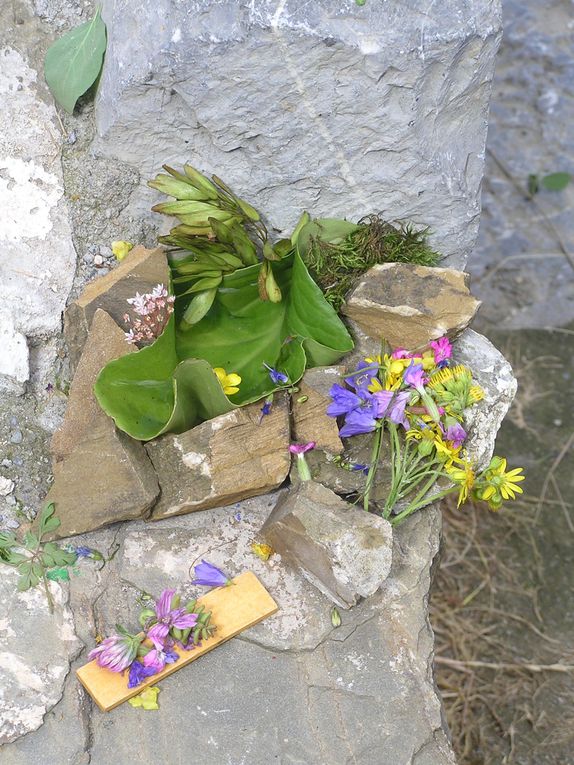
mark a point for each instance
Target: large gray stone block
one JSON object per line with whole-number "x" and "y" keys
{"x": 325, "y": 105}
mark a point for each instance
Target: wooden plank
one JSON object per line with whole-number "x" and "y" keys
{"x": 234, "y": 609}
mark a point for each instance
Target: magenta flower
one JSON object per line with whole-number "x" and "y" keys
{"x": 442, "y": 351}
{"x": 157, "y": 658}
{"x": 455, "y": 433}
{"x": 167, "y": 618}
{"x": 401, "y": 353}
{"x": 302, "y": 448}
{"x": 208, "y": 575}
{"x": 116, "y": 652}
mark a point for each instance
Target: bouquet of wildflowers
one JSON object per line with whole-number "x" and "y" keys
{"x": 419, "y": 399}
{"x": 166, "y": 624}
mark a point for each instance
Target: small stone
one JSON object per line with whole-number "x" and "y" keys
{"x": 106, "y": 252}
{"x": 410, "y": 305}
{"x": 345, "y": 552}
{"x": 71, "y": 138}
{"x": 101, "y": 475}
{"x": 310, "y": 419}
{"x": 13, "y": 421}
{"x": 6, "y": 463}
{"x": 98, "y": 260}
{"x": 139, "y": 272}
{"x": 16, "y": 437}
{"x": 222, "y": 461}
{"x": 18, "y": 461}
{"x": 6, "y": 486}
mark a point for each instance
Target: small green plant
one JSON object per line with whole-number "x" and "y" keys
{"x": 37, "y": 561}
{"x": 74, "y": 62}
{"x": 335, "y": 266}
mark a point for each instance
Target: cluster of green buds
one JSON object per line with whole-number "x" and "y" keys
{"x": 218, "y": 234}
{"x": 453, "y": 389}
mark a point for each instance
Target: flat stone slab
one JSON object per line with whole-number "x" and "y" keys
{"x": 36, "y": 649}
{"x": 231, "y": 457}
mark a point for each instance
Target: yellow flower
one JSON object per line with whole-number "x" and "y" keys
{"x": 475, "y": 394}
{"x": 229, "y": 382}
{"x": 121, "y": 249}
{"x": 146, "y": 699}
{"x": 501, "y": 481}
{"x": 464, "y": 476}
{"x": 262, "y": 550}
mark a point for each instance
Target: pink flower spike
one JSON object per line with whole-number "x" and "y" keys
{"x": 442, "y": 349}
{"x": 302, "y": 448}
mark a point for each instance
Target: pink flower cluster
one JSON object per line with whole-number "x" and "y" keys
{"x": 153, "y": 311}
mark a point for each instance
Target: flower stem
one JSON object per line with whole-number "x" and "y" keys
{"x": 48, "y": 593}
{"x": 413, "y": 507}
{"x": 375, "y": 454}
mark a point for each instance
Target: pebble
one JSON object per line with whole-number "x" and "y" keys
{"x": 6, "y": 486}
{"x": 16, "y": 437}
{"x": 72, "y": 137}
{"x": 6, "y": 463}
{"x": 18, "y": 461}
{"x": 98, "y": 260}
{"x": 13, "y": 421}
{"x": 104, "y": 271}
{"x": 106, "y": 252}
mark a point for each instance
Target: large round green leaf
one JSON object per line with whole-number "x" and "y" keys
{"x": 171, "y": 386}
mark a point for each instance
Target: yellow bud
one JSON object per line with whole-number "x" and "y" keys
{"x": 121, "y": 249}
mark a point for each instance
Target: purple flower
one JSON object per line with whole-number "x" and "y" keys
{"x": 138, "y": 673}
{"x": 358, "y": 467}
{"x": 455, "y": 433}
{"x": 442, "y": 350}
{"x": 358, "y": 421}
{"x": 116, "y": 652}
{"x": 167, "y": 618}
{"x": 157, "y": 658}
{"x": 83, "y": 552}
{"x": 392, "y": 405}
{"x": 266, "y": 408}
{"x": 210, "y": 576}
{"x": 359, "y": 379}
{"x": 344, "y": 400}
{"x": 302, "y": 448}
{"x": 279, "y": 378}
{"x": 414, "y": 375}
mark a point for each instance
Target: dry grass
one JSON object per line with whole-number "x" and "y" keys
{"x": 498, "y": 667}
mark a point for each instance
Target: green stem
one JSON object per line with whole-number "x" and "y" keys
{"x": 375, "y": 454}
{"x": 48, "y": 593}
{"x": 413, "y": 507}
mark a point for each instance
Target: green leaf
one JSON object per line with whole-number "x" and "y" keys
{"x": 171, "y": 386}
{"x": 7, "y": 539}
{"x": 31, "y": 541}
{"x": 56, "y": 556}
{"x": 74, "y": 62}
{"x": 28, "y": 577}
{"x": 48, "y": 522}
{"x": 13, "y": 558}
{"x": 555, "y": 181}
{"x": 58, "y": 575}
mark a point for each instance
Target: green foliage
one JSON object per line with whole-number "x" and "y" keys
{"x": 550, "y": 182}
{"x": 35, "y": 560}
{"x": 337, "y": 252}
{"x": 170, "y": 385}
{"x": 73, "y": 63}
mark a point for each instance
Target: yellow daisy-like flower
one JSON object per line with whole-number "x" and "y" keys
{"x": 463, "y": 476}
{"x": 229, "y": 382}
{"x": 505, "y": 482}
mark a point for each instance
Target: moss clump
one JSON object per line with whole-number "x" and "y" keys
{"x": 336, "y": 266}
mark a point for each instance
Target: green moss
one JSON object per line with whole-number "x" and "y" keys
{"x": 335, "y": 267}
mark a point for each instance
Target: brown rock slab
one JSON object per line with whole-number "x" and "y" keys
{"x": 101, "y": 475}
{"x": 344, "y": 551}
{"x": 141, "y": 270}
{"x": 310, "y": 419}
{"x": 410, "y": 305}
{"x": 224, "y": 460}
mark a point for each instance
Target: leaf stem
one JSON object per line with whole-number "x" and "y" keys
{"x": 375, "y": 454}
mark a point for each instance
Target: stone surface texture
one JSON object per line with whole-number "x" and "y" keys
{"x": 140, "y": 271}
{"x": 328, "y": 106}
{"x": 229, "y": 458}
{"x": 101, "y": 475}
{"x": 345, "y": 552}
{"x": 312, "y": 688}
{"x": 310, "y": 421}
{"x": 38, "y": 258}
{"x": 36, "y": 649}
{"x": 411, "y": 305}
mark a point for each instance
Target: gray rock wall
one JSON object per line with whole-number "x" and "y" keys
{"x": 341, "y": 109}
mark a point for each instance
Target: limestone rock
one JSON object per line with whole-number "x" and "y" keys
{"x": 310, "y": 420}
{"x": 286, "y": 101}
{"x": 101, "y": 475}
{"x": 221, "y": 461}
{"x": 140, "y": 271}
{"x": 411, "y": 305}
{"x": 36, "y": 648}
{"x": 342, "y": 550}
